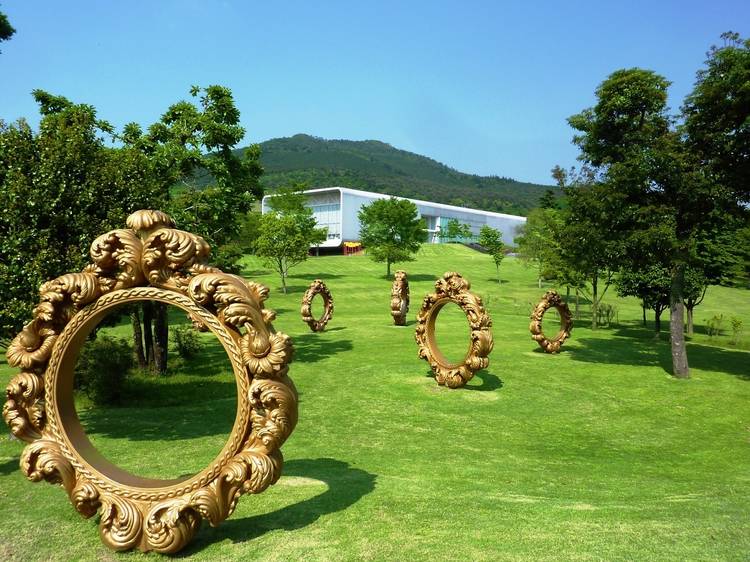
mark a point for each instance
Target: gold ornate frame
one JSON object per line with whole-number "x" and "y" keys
{"x": 549, "y": 300}
{"x": 400, "y": 298}
{"x": 317, "y": 287}
{"x": 454, "y": 288}
{"x": 169, "y": 266}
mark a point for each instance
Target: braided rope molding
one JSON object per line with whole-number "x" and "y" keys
{"x": 454, "y": 288}
{"x": 549, "y": 300}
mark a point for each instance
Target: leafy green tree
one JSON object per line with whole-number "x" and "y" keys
{"x": 391, "y": 230}
{"x": 492, "y": 241}
{"x": 286, "y": 232}
{"x": 6, "y": 30}
{"x": 548, "y": 200}
{"x": 456, "y": 231}
{"x": 651, "y": 284}
{"x": 538, "y": 242}
{"x": 60, "y": 187}
{"x": 692, "y": 178}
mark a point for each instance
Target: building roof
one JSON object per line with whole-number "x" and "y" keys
{"x": 373, "y": 195}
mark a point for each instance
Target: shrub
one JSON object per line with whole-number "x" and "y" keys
{"x": 736, "y": 330}
{"x": 186, "y": 341}
{"x": 713, "y": 325}
{"x": 102, "y": 367}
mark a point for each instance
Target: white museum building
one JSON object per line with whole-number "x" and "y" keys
{"x": 336, "y": 208}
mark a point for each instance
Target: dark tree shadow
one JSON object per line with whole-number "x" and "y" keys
{"x": 313, "y": 276}
{"x": 650, "y": 352}
{"x": 489, "y": 382}
{"x": 9, "y": 467}
{"x": 346, "y": 486}
{"x": 312, "y": 347}
{"x": 494, "y": 280}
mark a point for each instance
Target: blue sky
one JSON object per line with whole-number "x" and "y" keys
{"x": 484, "y": 87}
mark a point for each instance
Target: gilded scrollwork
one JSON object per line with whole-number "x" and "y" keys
{"x": 317, "y": 287}
{"x": 400, "y": 298}
{"x": 452, "y": 287}
{"x": 152, "y": 261}
{"x": 549, "y": 300}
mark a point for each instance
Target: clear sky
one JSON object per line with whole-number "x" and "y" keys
{"x": 484, "y": 87}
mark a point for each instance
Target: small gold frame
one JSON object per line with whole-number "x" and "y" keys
{"x": 549, "y": 300}
{"x": 317, "y": 287}
{"x": 454, "y": 288}
{"x": 400, "y": 298}
{"x": 169, "y": 266}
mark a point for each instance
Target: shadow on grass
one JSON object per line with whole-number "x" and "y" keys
{"x": 9, "y": 467}
{"x": 312, "y": 347}
{"x": 626, "y": 348}
{"x": 489, "y": 382}
{"x": 313, "y": 276}
{"x": 346, "y": 486}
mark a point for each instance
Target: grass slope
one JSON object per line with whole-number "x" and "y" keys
{"x": 593, "y": 454}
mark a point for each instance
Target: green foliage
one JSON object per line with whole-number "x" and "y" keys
{"x": 63, "y": 186}
{"x": 59, "y": 189}
{"x": 102, "y": 367}
{"x": 456, "y": 231}
{"x": 538, "y": 241}
{"x": 286, "y": 232}
{"x": 186, "y": 341}
{"x": 6, "y": 30}
{"x": 736, "y": 329}
{"x": 714, "y": 325}
{"x": 491, "y": 240}
{"x": 391, "y": 230}
{"x": 607, "y": 314}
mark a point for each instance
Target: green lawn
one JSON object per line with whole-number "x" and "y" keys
{"x": 593, "y": 454}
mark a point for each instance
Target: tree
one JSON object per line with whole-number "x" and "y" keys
{"x": 684, "y": 182}
{"x": 391, "y": 230}
{"x": 651, "y": 285}
{"x": 6, "y": 30}
{"x": 548, "y": 200}
{"x": 62, "y": 186}
{"x": 492, "y": 241}
{"x": 538, "y": 241}
{"x": 286, "y": 232}
{"x": 456, "y": 231}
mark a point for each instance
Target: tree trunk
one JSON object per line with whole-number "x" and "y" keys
{"x": 135, "y": 320}
{"x": 689, "y": 320}
{"x": 148, "y": 334}
{"x": 594, "y": 304}
{"x": 388, "y": 266}
{"x": 657, "y": 321}
{"x": 680, "y": 368}
{"x": 282, "y": 272}
{"x": 643, "y": 309}
{"x": 577, "y": 315}
{"x": 161, "y": 335}
{"x": 539, "y": 281}
{"x": 497, "y": 269}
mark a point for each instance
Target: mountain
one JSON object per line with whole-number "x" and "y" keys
{"x": 376, "y": 166}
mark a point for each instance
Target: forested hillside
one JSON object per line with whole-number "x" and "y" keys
{"x": 377, "y": 166}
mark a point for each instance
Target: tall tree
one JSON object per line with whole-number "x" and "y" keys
{"x": 286, "y": 232}
{"x": 391, "y": 230}
{"x": 683, "y": 181}
{"x": 538, "y": 241}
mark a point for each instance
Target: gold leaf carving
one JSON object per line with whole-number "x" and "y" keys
{"x": 454, "y": 288}
{"x": 549, "y": 300}
{"x": 400, "y": 298}
{"x": 317, "y": 287}
{"x": 169, "y": 266}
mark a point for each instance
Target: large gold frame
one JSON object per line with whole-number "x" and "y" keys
{"x": 317, "y": 287}
{"x": 400, "y": 298}
{"x": 454, "y": 288}
{"x": 549, "y": 300}
{"x": 169, "y": 266}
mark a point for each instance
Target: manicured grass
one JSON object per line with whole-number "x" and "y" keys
{"x": 593, "y": 454}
